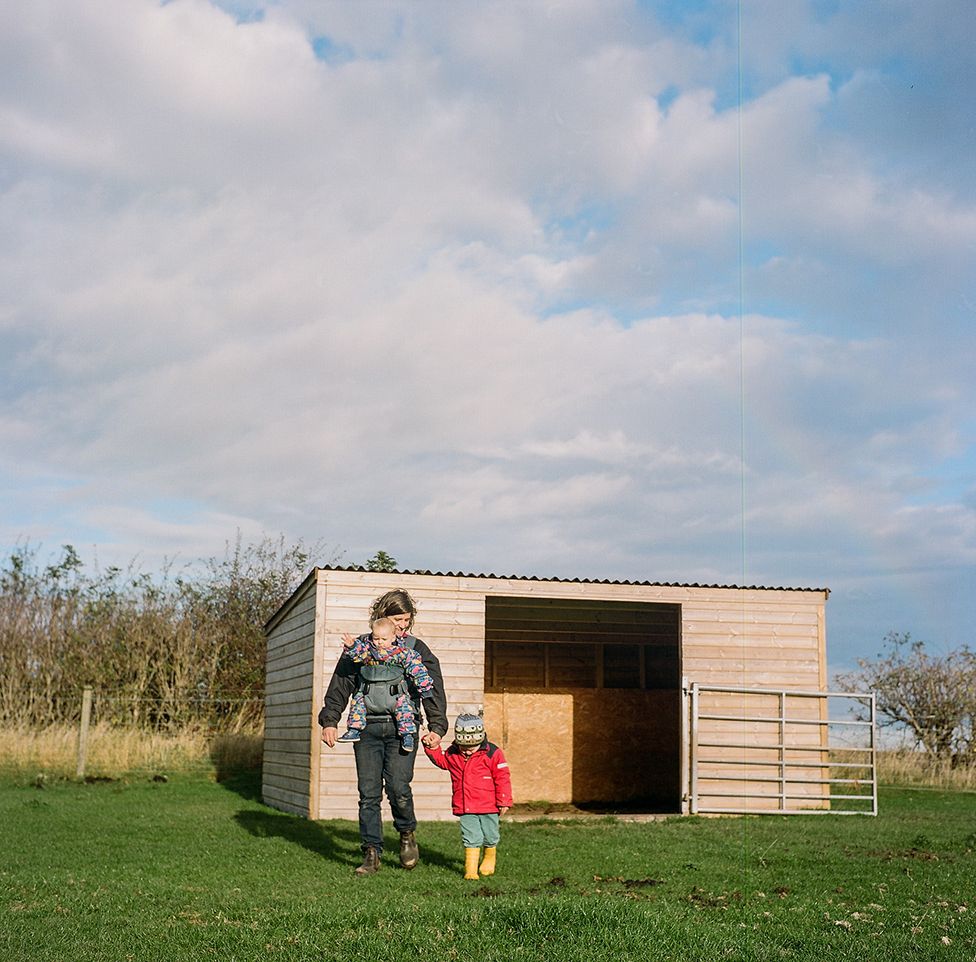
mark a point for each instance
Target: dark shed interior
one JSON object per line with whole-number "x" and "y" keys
{"x": 587, "y": 694}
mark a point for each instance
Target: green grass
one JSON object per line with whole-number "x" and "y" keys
{"x": 190, "y": 869}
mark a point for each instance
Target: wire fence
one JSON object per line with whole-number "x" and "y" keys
{"x": 153, "y": 708}
{"x": 215, "y": 711}
{"x": 114, "y": 733}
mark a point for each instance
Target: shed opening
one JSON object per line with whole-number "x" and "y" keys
{"x": 585, "y": 697}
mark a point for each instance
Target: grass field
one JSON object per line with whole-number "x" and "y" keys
{"x": 192, "y": 869}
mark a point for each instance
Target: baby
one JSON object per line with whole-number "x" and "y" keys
{"x": 389, "y": 669}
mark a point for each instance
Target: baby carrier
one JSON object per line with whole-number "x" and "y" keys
{"x": 382, "y": 684}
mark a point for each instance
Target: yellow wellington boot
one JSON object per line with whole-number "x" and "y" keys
{"x": 487, "y": 866}
{"x": 471, "y": 862}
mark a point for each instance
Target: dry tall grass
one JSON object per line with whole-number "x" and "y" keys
{"x": 115, "y": 752}
{"x": 906, "y": 767}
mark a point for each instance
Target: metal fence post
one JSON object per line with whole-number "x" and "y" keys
{"x": 693, "y": 749}
{"x": 86, "y": 705}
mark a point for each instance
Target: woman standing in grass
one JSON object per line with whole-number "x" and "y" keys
{"x": 381, "y": 762}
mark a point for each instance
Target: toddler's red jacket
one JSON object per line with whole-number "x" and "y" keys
{"x": 481, "y": 781}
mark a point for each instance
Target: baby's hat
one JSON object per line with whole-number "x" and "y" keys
{"x": 469, "y": 730}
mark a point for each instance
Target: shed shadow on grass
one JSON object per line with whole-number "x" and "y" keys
{"x": 332, "y": 842}
{"x": 335, "y": 840}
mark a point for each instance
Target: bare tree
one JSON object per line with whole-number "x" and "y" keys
{"x": 933, "y": 697}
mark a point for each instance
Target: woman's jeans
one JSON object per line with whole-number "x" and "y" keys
{"x": 379, "y": 764}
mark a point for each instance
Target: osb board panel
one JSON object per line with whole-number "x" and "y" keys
{"x": 536, "y": 732}
{"x": 580, "y": 761}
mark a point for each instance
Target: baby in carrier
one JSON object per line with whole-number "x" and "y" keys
{"x": 388, "y": 670}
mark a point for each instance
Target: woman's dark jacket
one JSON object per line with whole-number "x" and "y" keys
{"x": 346, "y": 676}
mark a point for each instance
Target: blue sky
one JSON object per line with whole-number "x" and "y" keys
{"x": 593, "y": 288}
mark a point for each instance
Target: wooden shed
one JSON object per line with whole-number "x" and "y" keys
{"x": 586, "y": 685}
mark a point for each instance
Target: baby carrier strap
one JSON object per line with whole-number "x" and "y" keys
{"x": 377, "y": 675}
{"x": 383, "y": 683}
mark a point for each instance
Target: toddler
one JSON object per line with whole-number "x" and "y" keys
{"x": 482, "y": 790}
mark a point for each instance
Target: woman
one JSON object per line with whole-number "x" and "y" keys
{"x": 380, "y": 761}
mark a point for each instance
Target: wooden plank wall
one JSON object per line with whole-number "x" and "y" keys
{"x": 746, "y": 637}
{"x": 289, "y": 706}
{"x": 769, "y": 639}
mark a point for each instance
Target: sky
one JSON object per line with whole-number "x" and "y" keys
{"x": 607, "y": 289}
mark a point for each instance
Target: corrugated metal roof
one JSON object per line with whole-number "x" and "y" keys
{"x": 467, "y": 574}
{"x": 572, "y": 581}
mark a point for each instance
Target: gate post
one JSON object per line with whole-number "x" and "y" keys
{"x": 693, "y": 749}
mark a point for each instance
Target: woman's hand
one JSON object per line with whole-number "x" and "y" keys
{"x": 432, "y": 740}
{"x": 330, "y": 736}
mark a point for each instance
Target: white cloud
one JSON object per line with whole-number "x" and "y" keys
{"x": 472, "y": 286}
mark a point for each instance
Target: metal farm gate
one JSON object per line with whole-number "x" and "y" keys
{"x": 780, "y": 752}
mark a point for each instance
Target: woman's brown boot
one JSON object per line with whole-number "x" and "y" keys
{"x": 371, "y": 862}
